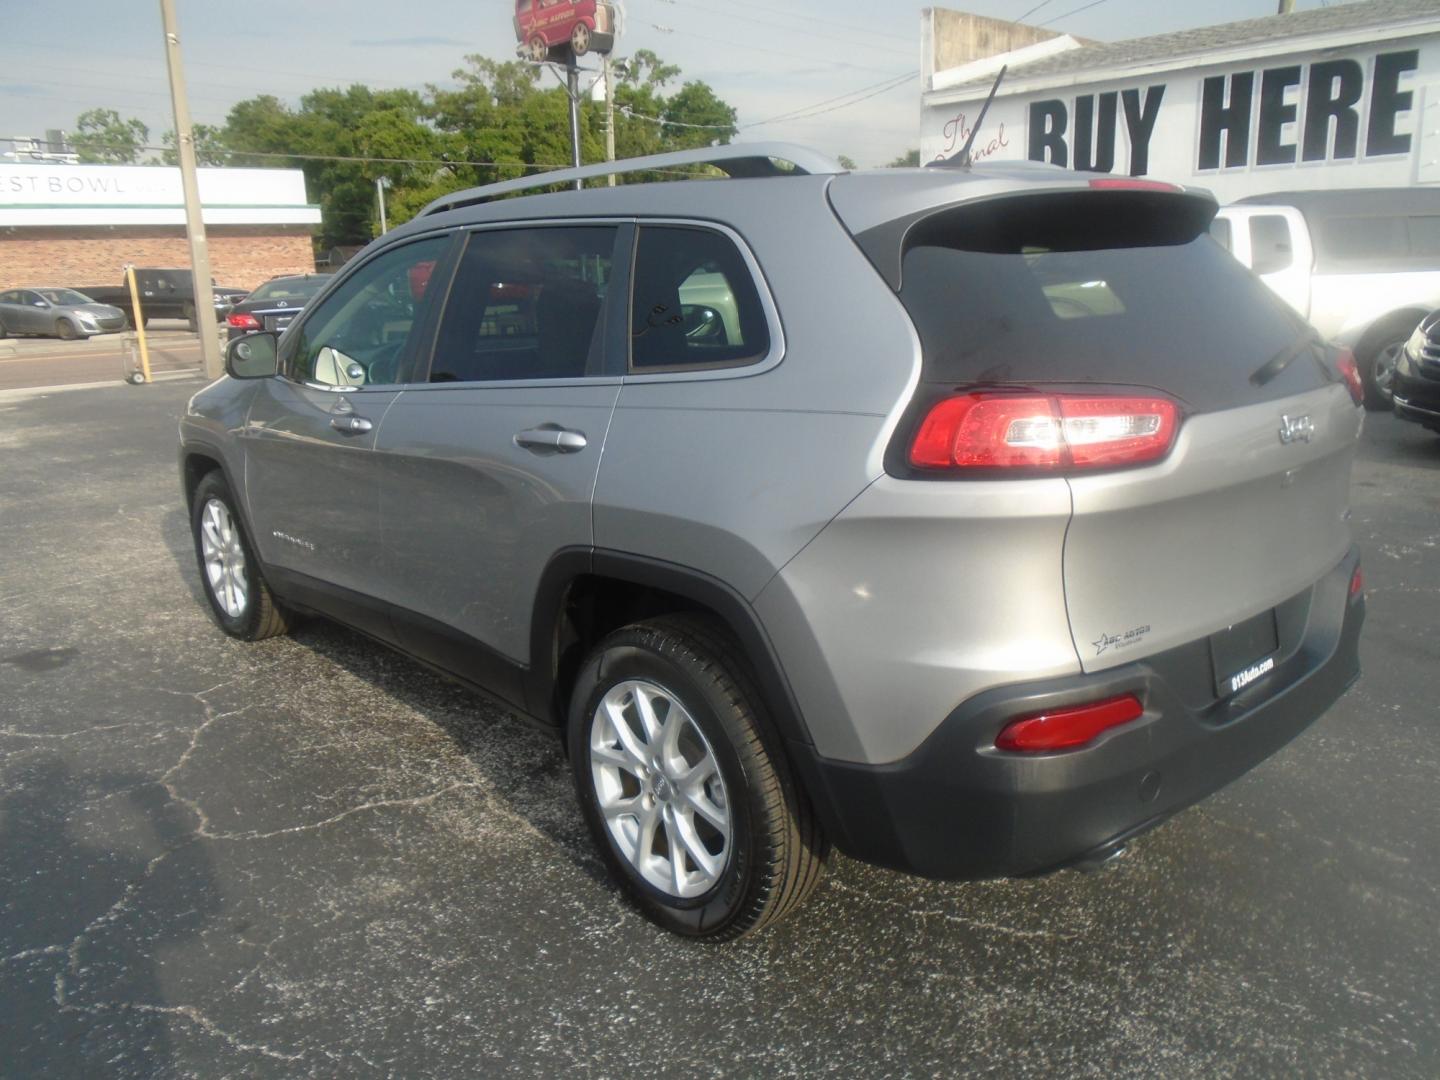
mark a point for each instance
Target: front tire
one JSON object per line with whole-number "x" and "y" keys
{"x": 580, "y": 39}
{"x": 65, "y": 330}
{"x": 239, "y": 599}
{"x": 1377, "y": 369}
{"x": 684, "y": 785}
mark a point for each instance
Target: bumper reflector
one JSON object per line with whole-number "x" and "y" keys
{"x": 1064, "y": 729}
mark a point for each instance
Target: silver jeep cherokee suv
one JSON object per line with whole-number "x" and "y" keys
{"x": 973, "y": 521}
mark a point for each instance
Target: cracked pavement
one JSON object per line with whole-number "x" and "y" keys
{"x": 310, "y": 857}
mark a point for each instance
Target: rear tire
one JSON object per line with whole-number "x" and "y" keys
{"x": 239, "y": 599}
{"x": 693, "y": 804}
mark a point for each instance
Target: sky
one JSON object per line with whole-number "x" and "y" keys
{"x": 768, "y": 58}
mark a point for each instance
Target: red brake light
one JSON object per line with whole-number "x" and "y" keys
{"x": 1063, "y": 729}
{"x": 1124, "y": 183}
{"x": 1357, "y": 583}
{"x": 1001, "y": 431}
{"x": 243, "y": 321}
{"x": 1350, "y": 372}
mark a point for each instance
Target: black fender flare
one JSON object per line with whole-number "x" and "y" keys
{"x": 698, "y": 587}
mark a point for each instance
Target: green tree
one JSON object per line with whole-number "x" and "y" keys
{"x": 847, "y": 162}
{"x": 103, "y": 137}
{"x": 909, "y": 159}
{"x": 210, "y": 146}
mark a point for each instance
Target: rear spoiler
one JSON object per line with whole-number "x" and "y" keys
{"x": 1109, "y": 212}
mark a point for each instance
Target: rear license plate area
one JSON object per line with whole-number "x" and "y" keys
{"x": 1242, "y": 653}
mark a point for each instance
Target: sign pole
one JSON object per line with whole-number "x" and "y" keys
{"x": 194, "y": 221}
{"x": 139, "y": 317}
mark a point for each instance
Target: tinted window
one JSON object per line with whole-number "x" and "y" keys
{"x": 526, "y": 304}
{"x": 1364, "y": 237}
{"x": 1270, "y": 248}
{"x": 358, "y": 335}
{"x": 288, "y": 289}
{"x": 1067, "y": 293}
{"x": 1424, "y": 233}
{"x": 694, "y": 303}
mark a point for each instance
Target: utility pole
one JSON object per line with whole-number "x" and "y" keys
{"x": 572, "y": 83}
{"x": 381, "y": 183}
{"x": 194, "y": 221}
{"x": 609, "y": 117}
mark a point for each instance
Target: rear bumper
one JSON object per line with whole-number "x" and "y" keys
{"x": 957, "y": 808}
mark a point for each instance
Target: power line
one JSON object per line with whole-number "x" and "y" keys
{"x": 709, "y": 11}
{"x": 1037, "y": 7}
{"x": 1077, "y": 11}
{"x": 807, "y": 110}
{"x": 809, "y": 17}
{"x": 749, "y": 47}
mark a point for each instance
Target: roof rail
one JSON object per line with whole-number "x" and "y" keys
{"x": 737, "y": 160}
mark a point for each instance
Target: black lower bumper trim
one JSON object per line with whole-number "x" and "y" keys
{"x": 957, "y": 808}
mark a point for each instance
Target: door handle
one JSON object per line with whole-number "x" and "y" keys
{"x": 549, "y": 437}
{"x": 351, "y": 425}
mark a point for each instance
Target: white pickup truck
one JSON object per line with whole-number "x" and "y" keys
{"x": 1362, "y": 265}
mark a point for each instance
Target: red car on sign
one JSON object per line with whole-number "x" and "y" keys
{"x": 585, "y": 25}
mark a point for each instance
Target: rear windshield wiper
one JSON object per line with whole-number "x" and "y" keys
{"x": 1281, "y": 360}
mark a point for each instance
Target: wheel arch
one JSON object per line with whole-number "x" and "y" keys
{"x": 1401, "y": 320}
{"x": 586, "y": 593}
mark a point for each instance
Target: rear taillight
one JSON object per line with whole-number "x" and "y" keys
{"x": 1051, "y": 432}
{"x": 242, "y": 321}
{"x": 1350, "y": 372}
{"x": 1128, "y": 183}
{"x": 1357, "y": 583}
{"x": 1065, "y": 729}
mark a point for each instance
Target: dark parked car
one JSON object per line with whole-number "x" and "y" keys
{"x": 273, "y": 305}
{"x": 164, "y": 294}
{"x": 62, "y": 313}
{"x": 1417, "y": 376}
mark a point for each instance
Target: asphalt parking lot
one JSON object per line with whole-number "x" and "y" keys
{"x": 309, "y": 857}
{"x": 29, "y": 362}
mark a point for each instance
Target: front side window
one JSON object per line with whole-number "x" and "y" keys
{"x": 357, "y": 337}
{"x": 694, "y": 304}
{"x": 527, "y": 304}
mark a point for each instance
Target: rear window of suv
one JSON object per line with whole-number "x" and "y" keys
{"x": 694, "y": 304}
{"x": 1094, "y": 289}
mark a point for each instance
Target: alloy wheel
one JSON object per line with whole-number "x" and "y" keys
{"x": 659, "y": 789}
{"x": 224, "y": 558}
{"x": 1386, "y": 361}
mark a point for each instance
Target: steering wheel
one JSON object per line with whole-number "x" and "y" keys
{"x": 384, "y": 366}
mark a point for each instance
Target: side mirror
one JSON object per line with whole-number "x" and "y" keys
{"x": 254, "y": 356}
{"x": 39, "y": 303}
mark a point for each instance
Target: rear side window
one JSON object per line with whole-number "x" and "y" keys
{"x": 527, "y": 304}
{"x": 1270, "y": 247}
{"x": 1067, "y": 290}
{"x": 694, "y": 304}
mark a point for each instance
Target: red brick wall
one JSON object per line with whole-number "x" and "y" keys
{"x": 240, "y": 255}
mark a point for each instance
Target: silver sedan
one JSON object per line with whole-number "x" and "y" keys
{"x": 62, "y": 313}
